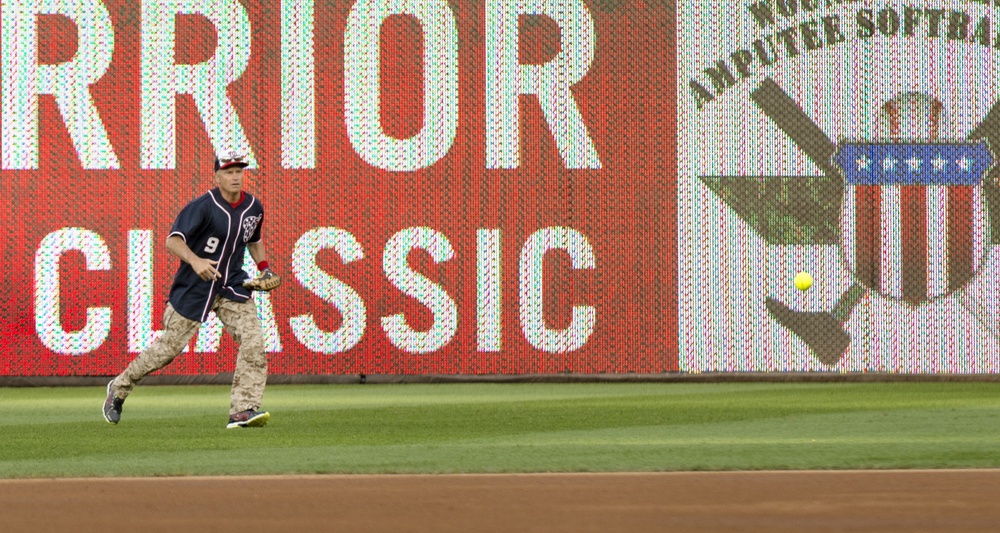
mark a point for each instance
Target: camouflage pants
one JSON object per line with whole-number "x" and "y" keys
{"x": 240, "y": 320}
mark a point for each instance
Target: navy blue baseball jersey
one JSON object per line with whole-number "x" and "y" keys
{"x": 214, "y": 229}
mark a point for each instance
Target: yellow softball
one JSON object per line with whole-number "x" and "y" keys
{"x": 803, "y": 281}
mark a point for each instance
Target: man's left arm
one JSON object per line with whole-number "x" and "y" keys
{"x": 266, "y": 280}
{"x": 257, "y": 251}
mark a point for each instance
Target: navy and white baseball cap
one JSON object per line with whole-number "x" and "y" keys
{"x": 230, "y": 159}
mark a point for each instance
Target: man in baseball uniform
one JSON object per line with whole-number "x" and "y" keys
{"x": 210, "y": 236}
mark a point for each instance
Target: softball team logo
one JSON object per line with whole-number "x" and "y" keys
{"x": 906, "y": 208}
{"x": 913, "y": 223}
{"x": 250, "y": 226}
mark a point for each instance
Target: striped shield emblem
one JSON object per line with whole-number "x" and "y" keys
{"x": 913, "y": 223}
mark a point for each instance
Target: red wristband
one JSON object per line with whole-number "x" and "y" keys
{"x": 262, "y": 266}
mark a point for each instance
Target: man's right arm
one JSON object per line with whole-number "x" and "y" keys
{"x": 205, "y": 268}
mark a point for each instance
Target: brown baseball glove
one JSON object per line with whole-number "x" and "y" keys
{"x": 265, "y": 281}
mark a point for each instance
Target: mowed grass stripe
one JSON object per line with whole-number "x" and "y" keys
{"x": 179, "y": 430}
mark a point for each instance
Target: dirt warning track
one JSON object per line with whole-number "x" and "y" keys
{"x": 886, "y": 501}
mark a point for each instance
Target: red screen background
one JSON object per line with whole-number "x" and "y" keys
{"x": 626, "y": 209}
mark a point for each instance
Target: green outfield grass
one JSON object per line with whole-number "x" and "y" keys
{"x": 581, "y": 427}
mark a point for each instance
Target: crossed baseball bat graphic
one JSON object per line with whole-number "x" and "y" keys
{"x": 823, "y": 332}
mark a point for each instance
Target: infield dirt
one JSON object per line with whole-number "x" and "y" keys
{"x": 792, "y": 501}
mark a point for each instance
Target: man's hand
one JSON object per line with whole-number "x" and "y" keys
{"x": 205, "y": 268}
{"x": 265, "y": 281}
